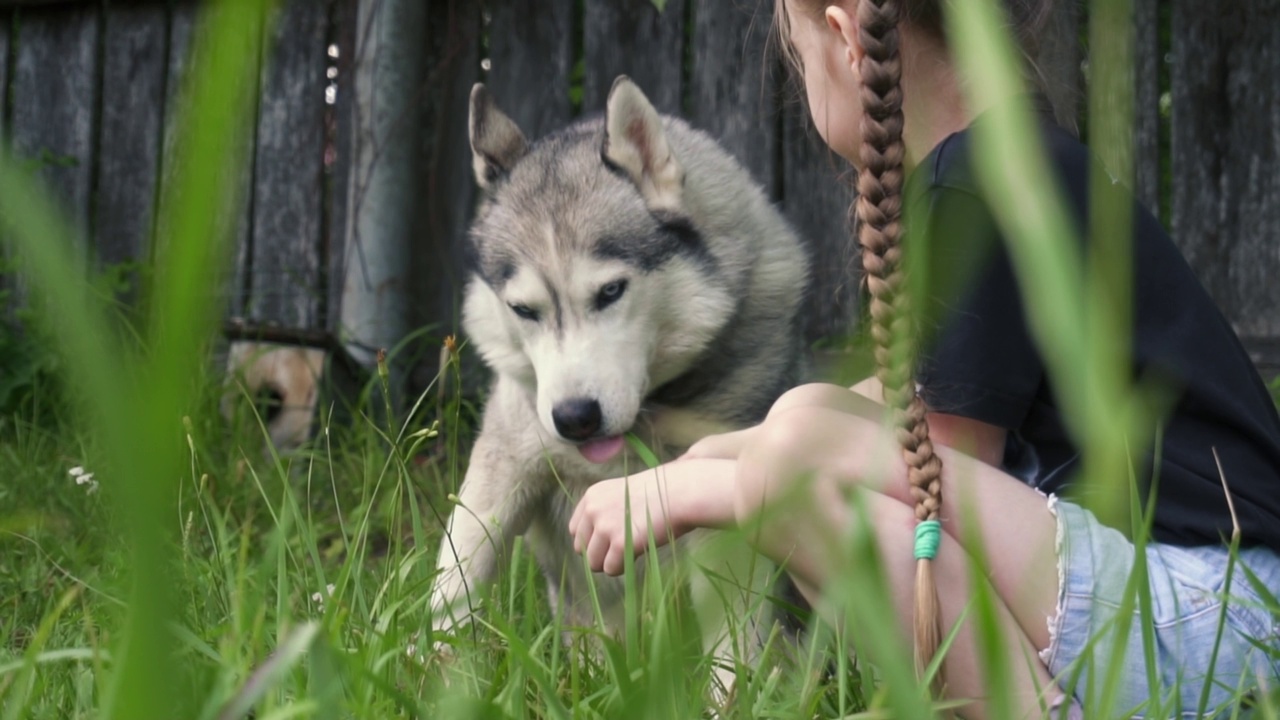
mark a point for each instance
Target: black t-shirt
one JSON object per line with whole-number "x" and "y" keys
{"x": 978, "y": 359}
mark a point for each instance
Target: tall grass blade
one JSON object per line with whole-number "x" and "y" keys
{"x": 1110, "y": 252}
{"x": 138, "y": 395}
{"x": 291, "y": 650}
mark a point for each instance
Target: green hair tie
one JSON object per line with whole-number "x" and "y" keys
{"x": 928, "y": 536}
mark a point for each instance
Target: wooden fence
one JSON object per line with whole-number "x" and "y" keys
{"x": 89, "y": 87}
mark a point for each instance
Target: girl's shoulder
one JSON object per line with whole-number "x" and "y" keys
{"x": 951, "y": 164}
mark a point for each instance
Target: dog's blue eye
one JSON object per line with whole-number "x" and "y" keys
{"x": 524, "y": 311}
{"x": 610, "y": 293}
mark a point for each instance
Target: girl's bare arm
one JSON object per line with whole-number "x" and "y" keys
{"x": 665, "y": 502}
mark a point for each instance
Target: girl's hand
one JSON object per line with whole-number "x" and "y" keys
{"x": 599, "y": 522}
{"x": 666, "y": 502}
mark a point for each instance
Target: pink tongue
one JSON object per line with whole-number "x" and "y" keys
{"x": 602, "y": 450}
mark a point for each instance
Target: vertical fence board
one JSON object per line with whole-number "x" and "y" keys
{"x": 1251, "y": 166}
{"x": 631, "y": 37}
{"x": 185, "y": 39}
{"x": 531, "y": 56}
{"x": 5, "y": 27}
{"x": 454, "y": 57}
{"x": 54, "y": 82}
{"x": 344, "y": 17}
{"x": 182, "y": 30}
{"x": 286, "y": 283}
{"x": 1059, "y": 62}
{"x": 7, "y": 284}
{"x": 732, "y": 90}
{"x": 134, "y": 56}
{"x": 1200, "y": 116}
{"x": 816, "y": 197}
{"x": 1146, "y": 110}
{"x": 1226, "y": 159}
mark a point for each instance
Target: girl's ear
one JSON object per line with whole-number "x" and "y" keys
{"x": 845, "y": 26}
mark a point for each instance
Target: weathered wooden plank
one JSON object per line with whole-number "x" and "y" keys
{"x": 816, "y": 198}
{"x": 1226, "y": 155}
{"x": 182, "y": 31}
{"x": 1147, "y": 56}
{"x": 1251, "y": 165}
{"x": 54, "y": 84}
{"x": 286, "y": 282}
{"x": 341, "y": 167}
{"x": 732, "y": 85}
{"x": 130, "y": 130}
{"x": 185, "y": 42}
{"x": 6, "y": 24}
{"x": 1199, "y": 120}
{"x": 1059, "y": 61}
{"x": 531, "y": 56}
{"x": 631, "y": 37}
{"x": 7, "y": 282}
{"x": 454, "y": 56}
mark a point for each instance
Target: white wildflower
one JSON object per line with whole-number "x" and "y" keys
{"x": 319, "y": 597}
{"x": 413, "y": 653}
{"x": 84, "y": 478}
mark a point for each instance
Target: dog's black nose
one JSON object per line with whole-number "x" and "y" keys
{"x": 577, "y": 419}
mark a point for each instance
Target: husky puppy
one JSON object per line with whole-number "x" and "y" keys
{"x": 628, "y": 276}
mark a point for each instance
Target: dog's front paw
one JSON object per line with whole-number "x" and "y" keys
{"x": 443, "y": 652}
{"x": 447, "y": 627}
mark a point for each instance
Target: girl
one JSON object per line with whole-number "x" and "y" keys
{"x": 985, "y": 438}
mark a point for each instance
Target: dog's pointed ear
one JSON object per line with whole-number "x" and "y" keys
{"x": 636, "y": 144}
{"x": 496, "y": 142}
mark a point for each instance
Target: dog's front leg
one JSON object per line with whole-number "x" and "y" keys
{"x": 729, "y": 586}
{"x": 494, "y": 507}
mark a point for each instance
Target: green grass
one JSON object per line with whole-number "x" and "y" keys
{"x": 257, "y": 541}
{"x": 195, "y": 582}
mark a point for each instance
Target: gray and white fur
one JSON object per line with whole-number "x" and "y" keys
{"x": 629, "y": 275}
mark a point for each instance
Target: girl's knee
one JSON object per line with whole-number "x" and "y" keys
{"x": 786, "y": 438}
{"x": 790, "y": 448}
{"x": 773, "y": 461}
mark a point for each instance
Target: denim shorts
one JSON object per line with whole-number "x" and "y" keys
{"x": 1187, "y": 596}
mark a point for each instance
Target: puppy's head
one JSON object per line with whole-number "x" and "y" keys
{"x": 591, "y": 277}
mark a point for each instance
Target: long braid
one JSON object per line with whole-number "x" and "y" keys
{"x": 879, "y": 215}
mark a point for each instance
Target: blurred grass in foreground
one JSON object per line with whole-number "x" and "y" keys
{"x": 136, "y": 394}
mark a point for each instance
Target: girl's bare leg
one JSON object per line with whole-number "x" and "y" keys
{"x": 831, "y": 431}
{"x": 826, "y": 454}
{"x": 893, "y": 525}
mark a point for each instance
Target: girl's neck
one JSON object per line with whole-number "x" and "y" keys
{"x": 935, "y": 103}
